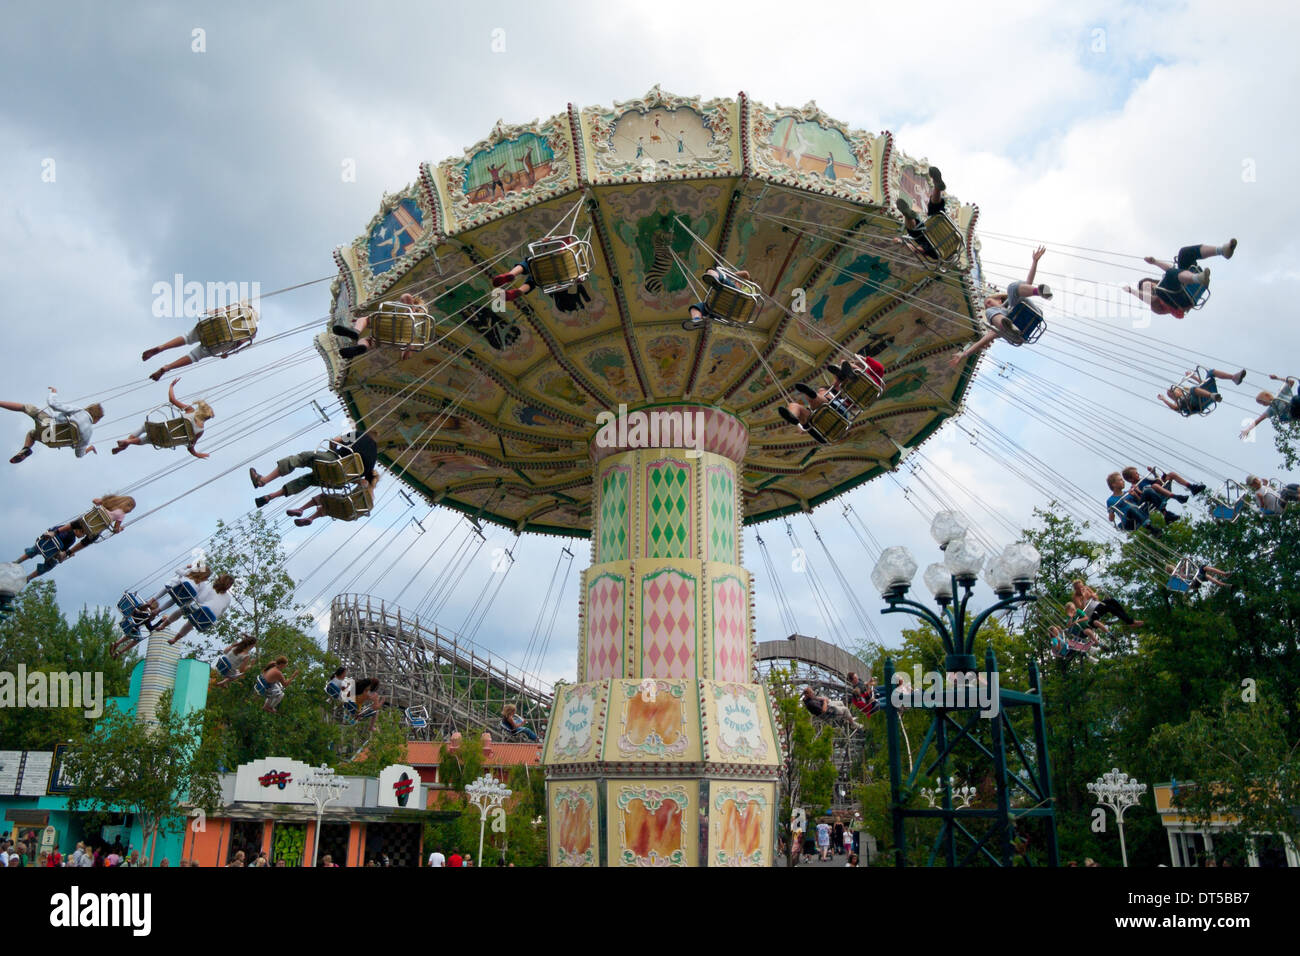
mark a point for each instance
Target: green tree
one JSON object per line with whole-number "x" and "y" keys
{"x": 1238, "y": 761}
{"x": 526, "y": 817}
{"x": 126, "y": 765}
{"x": 38, "y": 636}
{"x": 264, "y": 607}
{"x": 807, "y": 776}
{"x": 386, "y": 746}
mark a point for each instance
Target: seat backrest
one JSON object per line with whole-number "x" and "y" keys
{"x": 226, "y": 328}
{"x": 96, "y": 521}
{"x": 1027, "y": 319}
{"x": 401, "y": 324}
{"x": 169, "y": 433}
{"x": 59, "y": 435}
{"x": 349, "y": 507}
{"x": 337, "y": 472}
{"x": 201, "y": 617}
{"x": 829, "y": 422}
{"x": 944, "y": 236}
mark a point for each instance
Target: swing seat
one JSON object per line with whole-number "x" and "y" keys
{"x": 349, "y": 507}
{"x": 48, "y": 546}
{"x": 1185, "y": 571}
{"x": 402, "y": 325}
{"x": 944, "y": 237}
{"x": 183, "y": 593}
{"x": 224, "y": 667}
{"x": 225, "y": 329}
{"x": 1222, "y": 511}
{"x": 59, "y": 435}
{"x": 96, "y": 521}
{"x": 342, "y": 693}
{"x": 1193, "y": 404}
{"x": 336, "y": 471}
{"x": 1197, "y": 295}
{"x": 261, "y": 686}
{"x": 202, "y": 618}
{"x": 862, "y": 390}
{"x": 1027, "y": 319}
{"x": 828, "y": 423}
{"x": 732, "y": 299}
{"x": 558, "y": 264}
{"x": 417, "y": 717}
{"x": 129, "y": 603}
{"x": 509, "y": 730}
{"x": 164, "y": 432}
{"x": 129, "y": 628}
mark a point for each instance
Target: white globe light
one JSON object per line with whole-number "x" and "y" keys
{"x": 1023, "y": 561}
{"x": 893, "y": 570}
{"x": 963, "y": 559}
{"x": 998, "y": 575}
{"x": 947, "y": 527}
{"x": 939, "y": 581}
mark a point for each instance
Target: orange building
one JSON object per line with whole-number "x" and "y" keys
{"x": 265, "y": 809}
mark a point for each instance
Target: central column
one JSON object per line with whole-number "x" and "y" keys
{"x": 664, "y": 752}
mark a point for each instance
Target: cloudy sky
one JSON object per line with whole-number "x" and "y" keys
{"x": 128, "y": 157}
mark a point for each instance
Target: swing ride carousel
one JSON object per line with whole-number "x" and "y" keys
{"x": 593, "y": 407}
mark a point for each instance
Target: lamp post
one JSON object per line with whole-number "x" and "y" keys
{"x": 1118, "y": 791}
{"x": 1010, "y": 575}
{"x": 323, "y": 787}
{"x": 486, "y": 793}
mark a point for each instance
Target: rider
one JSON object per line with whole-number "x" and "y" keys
{"x": 913, "y": 223}
{"x": 1202, "y": 395}
{"x": 998, "y": 309}
{"x": 234, "y": 661}
{"x": 1283, "y": 407}
{"x": 83, "y": 418}
{"x": 339, "y": 446}
{"x": 1170, "y": 296}
{"x": 195, "y": 414}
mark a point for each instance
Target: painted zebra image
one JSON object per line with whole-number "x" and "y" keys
{"x": 661, "y": 242}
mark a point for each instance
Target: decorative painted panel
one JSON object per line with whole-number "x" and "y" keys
{"x": 614, "y": 523}
{"x": 573, "y": 734}
{"x": 668, "y": 509}
{"x": 605, "y": 620}
{"x": 660, "y": 136}
{"x": 720, "y": 513}
{"x": 669, "y": 620}
{"x": 729, "y": 604}
{"x": 740, "y": 823}
{"x": 650, "y": 823}
{"x": 573, "y": 821}
{"x": 514, "y": 167}
{"x": 652, "y": 719}
{"x": 739, "y": 724}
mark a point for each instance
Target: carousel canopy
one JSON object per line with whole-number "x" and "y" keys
{"x": 497, "y": 416}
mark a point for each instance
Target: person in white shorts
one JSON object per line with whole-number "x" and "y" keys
{"x": 200, "y": 351}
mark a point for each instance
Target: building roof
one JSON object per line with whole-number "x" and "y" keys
{"x": 424, "y": 753}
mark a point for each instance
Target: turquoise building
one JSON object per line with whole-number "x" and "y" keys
{"x": 33, "y": 807}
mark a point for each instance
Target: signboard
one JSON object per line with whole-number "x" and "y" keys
{"x": 60, "y": 781}
{"x": 36, "y": 773}
{"x": 272, "y": 780}
{"x": 399, "y": 787}
{"x": 11, "y": 762}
